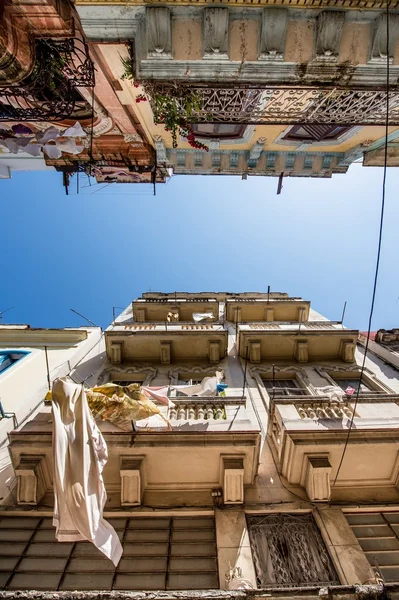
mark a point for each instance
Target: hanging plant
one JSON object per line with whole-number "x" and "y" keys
{"x": 174, "y": 107}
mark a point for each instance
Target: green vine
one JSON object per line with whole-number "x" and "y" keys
{"x": 174, "y": 108}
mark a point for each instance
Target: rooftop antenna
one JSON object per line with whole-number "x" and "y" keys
{"x": 343, "y": 314}
{"x": 268, "y": 293}
{"x": 280, "y": 183}
{"x": 4, "y": 311}
{"x": 83, "y": 317}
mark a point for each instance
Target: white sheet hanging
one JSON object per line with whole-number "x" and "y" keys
{"x": 202, "y": 316}
{"x": 207, "y": 387}
{"x": 80, "y": 454}
{"x": 75, "y": 131}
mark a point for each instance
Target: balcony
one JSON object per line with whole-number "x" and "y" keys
{"x": 261, "y": 104}
{"x": 166, "y": 343}
{"x": 49, "y": 92}
{"x": 302, "y": 342}
{"x": 308, "y": 434}
{"x": 260, "y": 309}
{"x": 210, "y": 444}
{"x": 157, "y": 310}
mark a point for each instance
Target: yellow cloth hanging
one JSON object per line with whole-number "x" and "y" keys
{"x": 120, "y": 405}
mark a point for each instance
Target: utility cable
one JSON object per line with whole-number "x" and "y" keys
{"x": 377, "y": 264}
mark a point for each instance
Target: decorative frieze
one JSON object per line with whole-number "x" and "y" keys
{"x": 330, "y": 24}
{"x": 379, "y": 45}
{"x": 318, "y": 476}
{"x": 233, "y": 480}
{"x": 274, "y": 29}
{"x": 216, "y": 32}
{"x": 159, "y": 36}
{"x": 31, "y": 483}
{"x": 132, "y": 480}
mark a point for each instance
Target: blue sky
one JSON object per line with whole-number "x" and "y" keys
{"x": 104, "y": 247}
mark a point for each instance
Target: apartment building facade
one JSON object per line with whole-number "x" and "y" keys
{"x": 269, "y": 88}
{"x": 239, "y": 490}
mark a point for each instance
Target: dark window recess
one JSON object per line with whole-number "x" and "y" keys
{"x": 283, "y": 387}
{"x": 354, "y": 383}
{"x": 315, "y": 132}
{"x": 168, "y": 553}
{"x": 288, "y": 550}
{"x": 378, "y": 535}
{"x": 219, "y": 130}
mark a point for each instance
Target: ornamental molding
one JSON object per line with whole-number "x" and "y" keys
{"x": 277, "y": 73}
{"x": 173, "y": 374}
{"x": 106, "y": 374}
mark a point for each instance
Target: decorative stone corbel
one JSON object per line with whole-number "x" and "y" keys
{"x": 318, "y": 476}
{"x": 159, "y": 33}
{"x": 347, "y": 351}
{"x": 254, "y": 352}
{"x": 165, "y": 353}
{"x": 302, "y": 352}
{"x": 160, "y": 149}
{"x": 216, "y": 32}
{"x": 132, "y": 480}
{"x": 31, "y": 483}
{"x": 269, "y": 314}
{"x": 116, "y": 352}
{"x": 214, "y": 352}
{"x": 274, "y": 29}
{"x": 139, "y": 315}
{"x": 330, "y": 24}
{"x": 233, "y": 479}
{"x": 255, "y": 152}
{"x": 379, "y": 46}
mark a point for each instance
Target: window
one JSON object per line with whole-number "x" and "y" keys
{"x": 378, "y": 535}
{"x": 315, "y": 132}
{"x": 283, "y": 387}
{"x": 354, "y": 384}
{"x": 219, "y": 130}
{"x": 9, "y": 358}
{"x": 288, "y": 550}
{"x": 168, "y": 553}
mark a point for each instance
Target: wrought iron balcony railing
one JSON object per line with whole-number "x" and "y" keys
{"x": 49, "y": 92}
{"x": 285, "y": 105}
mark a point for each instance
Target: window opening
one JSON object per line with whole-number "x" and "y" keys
{"x": 283, "y": 387}
{"x": 288, "y": 550}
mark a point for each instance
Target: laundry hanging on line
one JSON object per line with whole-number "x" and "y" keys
{"x": 121, "y": 405}
{"x": 202, "y": 316}
{"x": 80, "y": 454}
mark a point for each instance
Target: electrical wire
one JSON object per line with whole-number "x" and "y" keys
{"x": 377, "y": 264}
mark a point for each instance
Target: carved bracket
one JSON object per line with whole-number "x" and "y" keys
{"x": 274, "y": 29}
{"x": 216, "y": 32}
{"x": 159, "y": 33}
{"x": 330, "y": 24}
